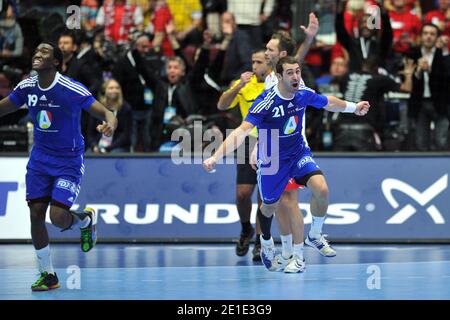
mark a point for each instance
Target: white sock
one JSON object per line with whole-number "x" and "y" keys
{"x": 286, "y": 242}
{"x": 316, "y": 227}
{"x": 45, "y": 260}
{"x": 267, "y": 243}
{"x": 298, "y": 250}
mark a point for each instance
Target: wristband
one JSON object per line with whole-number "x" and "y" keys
{"x": 350, "y": 107}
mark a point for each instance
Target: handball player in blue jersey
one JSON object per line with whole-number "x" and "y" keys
{"x": 278, "y": 113}
{"x": 56, "y": 164}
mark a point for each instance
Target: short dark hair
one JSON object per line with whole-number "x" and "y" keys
{"x": 286, "y": 43}
{"x": 258, "y": 50}
{"x": 70, "y": 34}
{"x": 285, "y": 60}
{"x": 431, "y": 25}
{"x": 57, "y": 54}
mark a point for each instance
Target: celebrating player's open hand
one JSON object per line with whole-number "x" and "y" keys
{"x": 106, "y": 129}
{"x": 313, "y": 26}
{"x": 362, "y": 108}
{"x": 209, "y": 164}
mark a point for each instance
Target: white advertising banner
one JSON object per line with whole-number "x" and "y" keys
{"x": 14, "y": 213}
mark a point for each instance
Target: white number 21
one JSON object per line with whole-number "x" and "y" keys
{"x": 279, "y": 112}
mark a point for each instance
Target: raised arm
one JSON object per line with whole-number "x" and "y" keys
{"x": 230, "y": 144}
{"x": 228, "y": 96}
{"x": 100, "y": 112}
{"x": 6, "y": 106}
{"x": 341, "y": 33}
{"x": 311, "y": 32}
{"x": 387, "y": 34}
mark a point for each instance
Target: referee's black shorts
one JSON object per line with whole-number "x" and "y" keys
{"x": 245, "y": 173}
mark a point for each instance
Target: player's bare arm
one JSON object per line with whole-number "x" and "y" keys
{"x": 100, "y": 112}
{"x": 337, "y": 105}
{"x": 6, "y": 106}
{"x": 311, "y": 32}
{"x": 230, "y": 144}
{"x": 228, "y": 96}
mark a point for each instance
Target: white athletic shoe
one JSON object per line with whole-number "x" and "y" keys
{"x": 281, "y": 261}
{"x": 268, "y": 257}
{"x": 321, "y": 245}
{"x": 295, "y": 265}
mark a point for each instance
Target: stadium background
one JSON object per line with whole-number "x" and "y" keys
{"x": 393, "y": 194}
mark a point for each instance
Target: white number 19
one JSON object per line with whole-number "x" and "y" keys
{"x": 32, "y": 100}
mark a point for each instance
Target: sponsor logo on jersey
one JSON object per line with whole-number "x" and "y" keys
{"x": 290, "y": 125}
{"x": 44, "y": 119}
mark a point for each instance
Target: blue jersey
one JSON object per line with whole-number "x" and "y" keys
{"x": 55, "y": 112}
{"x": 271, "y": 111}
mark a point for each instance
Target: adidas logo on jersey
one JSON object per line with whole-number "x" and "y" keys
{"x": 290, "y": 105}
{"x": 43, "y": 98}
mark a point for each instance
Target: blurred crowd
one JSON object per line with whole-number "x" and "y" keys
{"x": 163, "y": 64}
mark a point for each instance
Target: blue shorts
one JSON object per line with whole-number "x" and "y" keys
{"x": 271, "y": 186}
{"x": 53, "y": 178}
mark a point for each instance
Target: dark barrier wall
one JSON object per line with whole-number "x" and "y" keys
{"x": 371, "y": 198}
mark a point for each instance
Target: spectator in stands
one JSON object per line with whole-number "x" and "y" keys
{"x": 283, "y": 15}
{"x": 212, "y": 11}
{"x": 11, "y": 38}
{"x": 175, "y": 99}
{"x": 430, "y": 95}
{"x": 89, "y": 10}
{"x": 405, "y": 26}
{"x": 441, "y": 18}
{"x": 249, "y": 16}
{"x": 119, "y": 18}
{"x": 112, "y": 98}
{"x": 328, "y": 84}
{"x": 318, "y": 130}
{"x": 133, "y": 74}
{"x": 369, "y": 42}
{"x": 105, "y": 53}
{"x": 187, "y": 15}
{"x": 411, "y": 6}
{"x": 160, "y": 17}
{"x": 353, "y": 12}
{"x": 81, "y": 67}
{"x": 351, "y": 134}
{"x": 206, "y": 84}
{"x": 238, "y": 52}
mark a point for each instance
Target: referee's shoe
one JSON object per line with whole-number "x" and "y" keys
{"x": 243, "y": 245}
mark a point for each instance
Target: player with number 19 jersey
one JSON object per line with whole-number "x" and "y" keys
{"x": 56, "y": 164}
{"x": 55, "y": 112}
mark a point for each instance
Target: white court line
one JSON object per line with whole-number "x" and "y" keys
{"x": 253, "y": 266}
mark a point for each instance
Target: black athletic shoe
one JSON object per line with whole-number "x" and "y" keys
{"x": 46, "y": 282}
{"x": 243, "y": 245}
{"x": 256, "y": 252}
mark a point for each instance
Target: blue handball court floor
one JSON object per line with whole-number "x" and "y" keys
{"x": 214, "y": 272}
